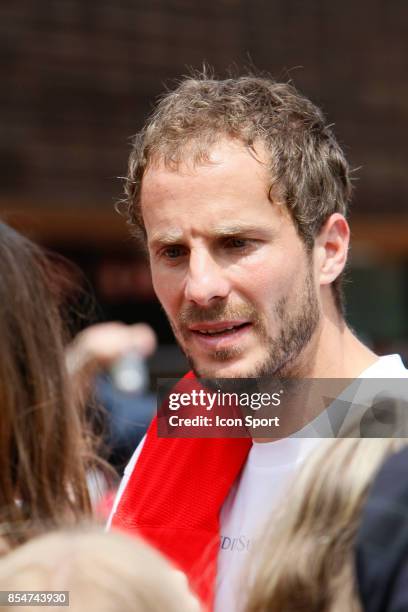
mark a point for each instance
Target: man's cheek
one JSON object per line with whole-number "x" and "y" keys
{"x": 168, "y": 302}
{"x": 160, "y": 287}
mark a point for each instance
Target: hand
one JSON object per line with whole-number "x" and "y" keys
{"x": 98, "y": 346}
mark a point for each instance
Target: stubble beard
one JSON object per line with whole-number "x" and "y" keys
{"x": 297, "y": 325}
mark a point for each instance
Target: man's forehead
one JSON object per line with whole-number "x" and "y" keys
{"x": 188, "y": 163}
{"x": 231, "y": 181}
{"x": 227, "y": 196}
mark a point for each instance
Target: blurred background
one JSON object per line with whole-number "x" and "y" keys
{"x": 78, "y": 78}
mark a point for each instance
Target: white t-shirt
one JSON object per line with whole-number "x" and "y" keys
{"x": 268, "y": 471}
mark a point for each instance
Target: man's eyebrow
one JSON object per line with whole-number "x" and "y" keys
{"x": 166, "y": 238}
{"x": 221, "y": 231}
{"x": 234, "y": 230}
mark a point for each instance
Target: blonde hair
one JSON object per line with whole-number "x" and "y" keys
{"x": 103, "y": 572}
{"x": 307, "y": 553}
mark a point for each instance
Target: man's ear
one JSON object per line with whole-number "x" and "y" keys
{"x": 331, "y": 248}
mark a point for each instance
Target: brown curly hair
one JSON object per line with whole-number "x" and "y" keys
{"x": 307, "y": 166}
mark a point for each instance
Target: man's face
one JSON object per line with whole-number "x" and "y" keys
{"x": 228, "y": 266}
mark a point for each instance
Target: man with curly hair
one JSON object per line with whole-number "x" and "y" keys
{"x": 239, "y": 190}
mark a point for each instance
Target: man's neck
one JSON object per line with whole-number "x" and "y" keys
{"x": 337, "y": 352}
{"x": 333, "y": 353}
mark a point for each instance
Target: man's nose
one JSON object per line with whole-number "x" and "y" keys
{"x": 206, "y": 280}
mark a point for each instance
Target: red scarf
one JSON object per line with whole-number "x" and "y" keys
{"x": 174, "y": 497}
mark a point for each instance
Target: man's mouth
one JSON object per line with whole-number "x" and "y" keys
{"x": 217, "y": 327}
{"x": 218, "y": 333}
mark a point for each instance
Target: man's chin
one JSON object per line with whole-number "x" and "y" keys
{"x": 224, "y": 370}
{"x": 239, "y": 375}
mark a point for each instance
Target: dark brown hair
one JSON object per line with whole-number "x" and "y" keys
{"x": 44, "y": 447}
{"x": 308, "y": 170}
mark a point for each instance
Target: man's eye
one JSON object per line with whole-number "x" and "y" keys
{"x": 173, "y": 252}
{"x": 237, "y": 243}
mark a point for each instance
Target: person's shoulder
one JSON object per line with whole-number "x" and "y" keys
{"x": 387, "y": 366}
{"x": 126, "y": 477}
{"x": 135, "y": 457}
